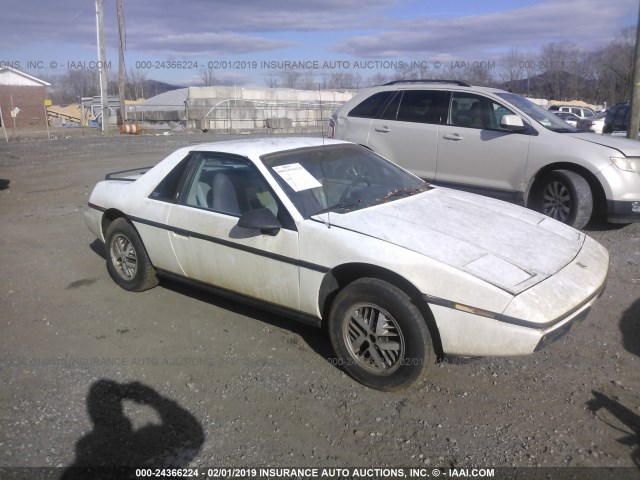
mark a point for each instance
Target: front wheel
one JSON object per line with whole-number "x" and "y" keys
{"x": 127, "y": 260}
{"x": 379, "y": 335}
{"x": 565, "y": 196}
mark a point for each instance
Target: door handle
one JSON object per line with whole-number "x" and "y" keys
{"x": 382, "y": 129}
{"x": 454, "y": 136}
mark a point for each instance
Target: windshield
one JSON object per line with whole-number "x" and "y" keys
{"x": 339, "y": 178}
{"x": 545, "y": 118}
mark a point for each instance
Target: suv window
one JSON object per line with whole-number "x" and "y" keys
{"x": 475, "y": 111}
{"x": 422, "y": 106}
{"x": 371, "y": 107}
{"x": 391, "y": 112}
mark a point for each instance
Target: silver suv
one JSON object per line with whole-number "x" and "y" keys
{"x": 496, "y": 143}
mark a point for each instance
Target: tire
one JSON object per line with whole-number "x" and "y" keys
{"x": 127, "y": 260}
{"x": 565, "y": 196}
{"x": 409, "y": 351}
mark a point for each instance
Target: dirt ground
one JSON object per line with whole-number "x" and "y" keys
{"x": 92, "y": 374}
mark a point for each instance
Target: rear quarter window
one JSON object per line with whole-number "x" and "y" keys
{"x": 372, "y": 106}
{"x": 169, "y": 188}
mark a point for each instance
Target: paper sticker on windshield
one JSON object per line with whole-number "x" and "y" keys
{"x": 297, "y": 177}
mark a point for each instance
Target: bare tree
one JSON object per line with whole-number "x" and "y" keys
{"x": 272, "y": 81}
{"x": 291, "y": 78}
{"x": 75, "y": 84}
{"x": 378, "y": 78}
{"x": 308, "y": 81}
{"x": 511, "y": 67}
{"x": 341, "y": 80}
{"x": 619, "y": 61}
{"x": 137, "y": 78}
{"x": 557, "y": 59}
{"x": 207, "y": 76}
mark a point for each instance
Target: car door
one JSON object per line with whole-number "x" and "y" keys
{"x": 407, "y": 131}
{"x": 212, "y": 248}
{"x": 475, "y": 154}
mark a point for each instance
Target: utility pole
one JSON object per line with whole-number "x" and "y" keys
{"x": 634, "y": 123}
{"x": 121, "y": 68}
{"x": 104, "y": 94}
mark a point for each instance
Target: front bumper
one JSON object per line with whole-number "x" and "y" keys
{"x": 619, "y": 211}
{"x": 534, "y": 318}
{"x": 561, "y": 331}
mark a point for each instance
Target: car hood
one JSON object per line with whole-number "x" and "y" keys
{"x": 508, "y": 246}
{"x": 630, "y": 148}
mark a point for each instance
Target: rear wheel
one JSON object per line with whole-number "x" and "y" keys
{"x": 565, "y": 196}
{"x": 379, "y": 335}
{"x": 127, "y": 260}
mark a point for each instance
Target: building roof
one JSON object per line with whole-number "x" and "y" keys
{"x": 11, "y": 76}
{"x": 70, "y": 111}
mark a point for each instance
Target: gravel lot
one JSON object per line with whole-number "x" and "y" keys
{"x": 208, "y": 382}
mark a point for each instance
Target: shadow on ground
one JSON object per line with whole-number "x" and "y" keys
{"x": 97, "y": 247}
{"x": 624, "y": 415}
{"x": 114, "y": 449}
{"x": 317, "y": 340}
{"x": 630, "y": 328}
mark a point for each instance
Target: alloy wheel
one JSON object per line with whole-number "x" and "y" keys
{"x": 123, "y": 256}
{"x": 374, "y": 338}
{"x": 556, "y": 201}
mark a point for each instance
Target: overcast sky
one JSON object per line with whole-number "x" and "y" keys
{"x": 42, "y": 37}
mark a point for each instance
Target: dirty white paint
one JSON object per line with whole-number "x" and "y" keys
{"x": 503, "y": 244}
{"x": 458, "y": 247}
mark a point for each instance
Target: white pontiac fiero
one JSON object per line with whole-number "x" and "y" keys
{"x": 327, "y": 231}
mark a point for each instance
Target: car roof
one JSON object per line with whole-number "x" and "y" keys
{"x": 579, "y": 108}
{"x": 256, "y": 147}
{"x": 436, "y": 85}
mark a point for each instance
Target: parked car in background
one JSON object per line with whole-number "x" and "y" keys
{"x": 570, "y": 118}
{"x": 496, "y": 143}
{"x": 618, "y": 119}
{"x": 329, "y": 232}
{"x": 582, "y": 112}
{"x": 592, "y": 124}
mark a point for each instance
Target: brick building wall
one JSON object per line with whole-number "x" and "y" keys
{"x": 30, "y": 101}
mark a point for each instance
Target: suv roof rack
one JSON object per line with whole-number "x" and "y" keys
{"x": 455, "y": 82}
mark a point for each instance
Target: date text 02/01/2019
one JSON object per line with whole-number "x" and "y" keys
{"x": 315, "y": 472}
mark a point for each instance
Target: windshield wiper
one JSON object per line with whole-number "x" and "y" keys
{"x": 338, "y": 206}
{"x": 565, "y": 130}
{"x": 403, "y": 192}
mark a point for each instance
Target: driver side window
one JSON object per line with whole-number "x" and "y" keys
{"x": 475, "y": 111}
{"x": 228, "y": 185}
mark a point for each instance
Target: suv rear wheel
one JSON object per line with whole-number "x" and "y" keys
{"x": 565, "y": 196}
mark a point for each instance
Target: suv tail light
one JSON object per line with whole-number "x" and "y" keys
{"x": 332, "y": 128}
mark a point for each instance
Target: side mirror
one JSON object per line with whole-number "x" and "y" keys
{"x": 261, "y": 219}
{"x": 512, "y": 123}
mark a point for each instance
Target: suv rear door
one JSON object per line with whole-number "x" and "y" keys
{"x": 407, "y": 130}
{"x": 475, "y": 154}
